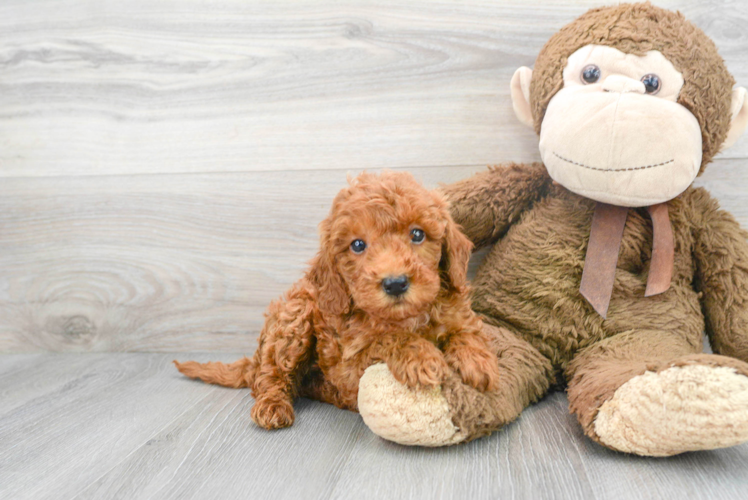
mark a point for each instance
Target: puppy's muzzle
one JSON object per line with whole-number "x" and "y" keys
{"x": 395, "y": 285}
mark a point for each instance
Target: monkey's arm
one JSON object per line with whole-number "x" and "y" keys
{"x": 486, "y": 204}
{"x": 721, "y": 253}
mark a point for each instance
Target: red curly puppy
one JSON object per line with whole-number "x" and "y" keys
{"x": 388, "y": 285}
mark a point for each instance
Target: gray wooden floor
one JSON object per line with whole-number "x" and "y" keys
{"x": 129, "y": 426}
{"x": 163, "y": 167}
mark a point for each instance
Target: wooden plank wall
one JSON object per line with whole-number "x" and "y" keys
{"x": 164, "y": 164}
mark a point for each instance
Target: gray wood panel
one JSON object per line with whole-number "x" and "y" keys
{"x": 178, "y": 262}
{"x": 131, "y": 427}
{"x": 109, "y": 88}
{"x": 167, "y": 262}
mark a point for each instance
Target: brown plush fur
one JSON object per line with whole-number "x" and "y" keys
{"x": 528, "y": 285}
{"x": 544, "y": 331}
{"x": 636, "y": 29}
{"x": 337, "y": 321}
{"x": 526, "y": 376}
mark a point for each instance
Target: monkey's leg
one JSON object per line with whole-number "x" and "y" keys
{"x": 654, "y": 393}
{"x": 455, "y": 412}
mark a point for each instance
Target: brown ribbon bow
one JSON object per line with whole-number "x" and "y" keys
{"x": 608, "y": 222}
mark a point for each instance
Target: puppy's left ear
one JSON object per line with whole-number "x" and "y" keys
{"x": 456, "y": 250}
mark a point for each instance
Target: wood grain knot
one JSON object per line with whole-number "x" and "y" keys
{"x": 78, "y": 329}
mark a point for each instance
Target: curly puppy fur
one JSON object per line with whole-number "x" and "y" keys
{"x": 338, "y": 319}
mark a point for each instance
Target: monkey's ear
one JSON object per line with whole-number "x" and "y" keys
{"x": 520, "y": 88}
{"x": 739, "y": 120}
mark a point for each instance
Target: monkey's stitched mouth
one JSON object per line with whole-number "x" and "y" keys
{"x": 612, "y": 169}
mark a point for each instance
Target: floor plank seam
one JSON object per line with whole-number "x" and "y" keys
{"x": 241, "y": 172}
{"x": 139, "y": 447}
{"x": 187, "y": 453}
{"x": 286, "y": 171}
{"x": 355, "y": 435}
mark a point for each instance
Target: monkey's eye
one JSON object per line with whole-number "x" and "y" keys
{"x": 358, "y": 246}
{"x": 651, "y": 83}
{"x": 590, "y": 73}
{"x": 417, "y": 236}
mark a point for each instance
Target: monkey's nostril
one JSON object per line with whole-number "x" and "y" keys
{"x": 395, "y": 285}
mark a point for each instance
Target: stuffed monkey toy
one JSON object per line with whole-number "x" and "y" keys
{"x": 606, "y": 264}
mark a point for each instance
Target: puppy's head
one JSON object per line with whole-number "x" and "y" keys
{"x": 388, "y": 248}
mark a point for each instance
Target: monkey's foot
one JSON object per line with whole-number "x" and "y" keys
{"x": 679, "y": 409}
{"x": 403, "y": 415}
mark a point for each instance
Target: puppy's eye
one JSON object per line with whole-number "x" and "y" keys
{"x": 590, "y": 73}
{"x": 358, "y": 246}
{"x": 417, "y": 235}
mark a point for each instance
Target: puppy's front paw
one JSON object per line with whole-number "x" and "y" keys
{"x": 416, "y": 368}
{"x": 478, "y": 368}
{"x": 272, "y": 414}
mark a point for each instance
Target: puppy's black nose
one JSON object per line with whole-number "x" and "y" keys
{"x": 395, "y": 285}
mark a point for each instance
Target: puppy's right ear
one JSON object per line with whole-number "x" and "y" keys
{"x": 333, "y": 298}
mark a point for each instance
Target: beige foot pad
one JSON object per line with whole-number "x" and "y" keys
{"x": 397, "y": 413}
{"x": 680, "y": 409}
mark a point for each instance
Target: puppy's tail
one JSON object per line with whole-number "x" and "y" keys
{"x": 237, "y": 374}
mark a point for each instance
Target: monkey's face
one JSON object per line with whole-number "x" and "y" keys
{"x": 617, "y": 130}
{"x": 615, "y": 133}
